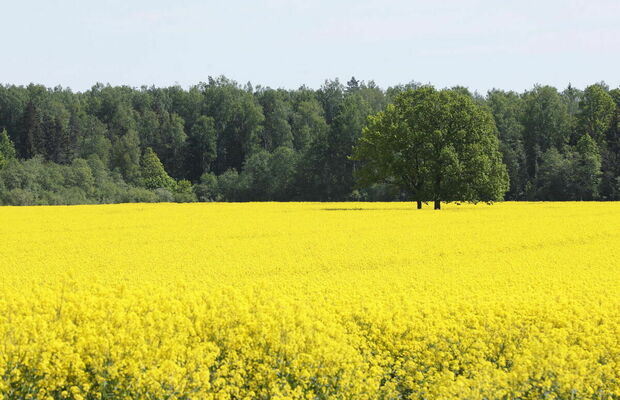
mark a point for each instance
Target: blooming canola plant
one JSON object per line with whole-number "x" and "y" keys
{"x": 310, "y": 301}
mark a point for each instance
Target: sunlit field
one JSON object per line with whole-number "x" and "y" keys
{"x": 310, "y": 301}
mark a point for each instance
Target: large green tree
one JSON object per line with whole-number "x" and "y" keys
{"x": 436, "y": 145}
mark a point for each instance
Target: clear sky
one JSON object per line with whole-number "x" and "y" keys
{"x": 480, "y": 44}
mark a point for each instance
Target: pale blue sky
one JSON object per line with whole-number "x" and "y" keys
{"x": 285, "y": 43}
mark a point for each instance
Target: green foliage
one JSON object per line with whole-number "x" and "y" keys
{"x": 202, "y": 148}
{"x": 587, "y": 169}
{"x": 307, "y": 122}
{"x": 37, "y": 181}
{"x": 436, "y": 145}
{"x": 92, "y": 138}
{"x": 18, "y": 197}
{"x": 164, "y": 195}
{"x": 554, "y": 178}
{"x": 207, "y": 189}
{"x": 507, "y": 110}
{"x": 235, "y": 143}
{"x": 276, "y": 130}
{"x": 80, "y": 176}
{"x": 238, "y": 121}
{"x": 7, "y": 149}
{"x": 610, "y": 155}
{"x": 546, "y": 123}
{"x": 126, "y": 156}
{"x": 282, "y": 168}
{"x": 268, "y": 176}
{"x": 255, "y": 179}
{"x": 153, "y": 174}
{"x": 139, "y": 195}
{"x": 573, "y": 175}
{"x": 596, "y": 112}
{"x": 229, "y": 186}
{"x": 345, "y": 132}
{"x": 170, "y": 143}
{"x": 184, "y": 192}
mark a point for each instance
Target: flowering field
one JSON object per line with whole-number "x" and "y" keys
{"x": 310, "y": 300}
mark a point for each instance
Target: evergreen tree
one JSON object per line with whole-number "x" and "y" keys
{"x": 154, "y": 175}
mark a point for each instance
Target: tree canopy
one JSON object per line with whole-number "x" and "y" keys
{"x": 435, "y": 145}
{"x": 232, "y": 142}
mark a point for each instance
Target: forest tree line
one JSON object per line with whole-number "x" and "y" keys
{"x": 221, "y": 141}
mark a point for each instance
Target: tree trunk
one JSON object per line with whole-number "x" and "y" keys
{"x": 437, "y": 205}
{"x": 419, "y": 204}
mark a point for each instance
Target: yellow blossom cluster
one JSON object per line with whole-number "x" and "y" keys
{"x": 310, "y": 301}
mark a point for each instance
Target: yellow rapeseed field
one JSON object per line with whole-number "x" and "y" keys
{"x": 310, "y": 301}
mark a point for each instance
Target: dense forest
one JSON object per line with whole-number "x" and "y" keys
{"x": 221, "y": 141}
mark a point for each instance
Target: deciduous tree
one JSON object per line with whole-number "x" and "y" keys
{"x": 436, "y": 145}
